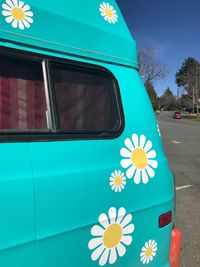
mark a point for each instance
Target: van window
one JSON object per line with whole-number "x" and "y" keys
{"x": 22, "y": 95}
{"x": 85, "y": 99}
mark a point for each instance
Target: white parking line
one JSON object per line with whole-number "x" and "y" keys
{"x": 183, "y": 187}
{"x": 176, "y": 142}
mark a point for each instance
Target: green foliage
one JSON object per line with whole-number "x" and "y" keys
{"x": 152, "y": 95}
{"x": 188, "y": 78}
{"x": 188, "y": 75}
{"x": 168, "y": 100}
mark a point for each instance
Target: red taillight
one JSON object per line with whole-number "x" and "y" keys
{"x": 165, "y": 219}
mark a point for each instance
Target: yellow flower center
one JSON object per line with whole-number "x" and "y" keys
{"x": 148, "y": 252}
{"x": 118, "y": 180}
{"x": 139, "y": 158}
{"x": 18, "y": 13}
{"x": 112, "y": 236}
{"x": 108, "y": 13}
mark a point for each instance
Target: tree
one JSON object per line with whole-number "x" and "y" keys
{"x": 188, "y": 78}
{"x": 152, "y": 95}
{"x": 149, "y": 68}
{"x": 168, "y": 100}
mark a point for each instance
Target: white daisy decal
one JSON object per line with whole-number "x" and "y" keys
{"x": 139, "y": 158}
{"x": 17, "y": 13}
{"x": 112, "y": 236}
{"x": 108, "y": 12}
{"x": 117, "y": 181}
{"x": 148, "y": 252}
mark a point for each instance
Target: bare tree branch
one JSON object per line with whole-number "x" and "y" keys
{"x": 149, "y": 68}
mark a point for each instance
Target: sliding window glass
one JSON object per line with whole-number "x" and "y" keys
{"x": 86, "y": 100}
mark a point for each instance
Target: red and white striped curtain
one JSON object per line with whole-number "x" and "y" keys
{"x": 22, "y": 104}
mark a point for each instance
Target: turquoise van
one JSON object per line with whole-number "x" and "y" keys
{"x": 84, "y": 180}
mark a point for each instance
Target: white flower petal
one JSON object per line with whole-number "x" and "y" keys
{"x": 137, "y": 177}
{"x": 127, "y": 240}
{"x": 153, "y": 254}
{"x": 97, "y": 230}
{"x": 148, "y": 146}
{"x": 121, "y": 214}
{"x": 130, "y": 172}
{"x": 21, "y": 25}
{"x": 95, "y": 242}
{"x": 107, "y": 5}
{"x": 9, "y": 19}
{"x": 104, "y": 257}
{"x": 128, "y": 143}
{"x": 125, "y": 163}
{"x": 150, "y": 171}
{"x": 106, "y": 18}
{"x": 103, "y": 14}
{"x": 128, "y": 229}
{"x": 28, "y": 13}
{"x": 103, "y": 220}
{"x": 115, "y": 172}
{"x": 145, "y": 177}
{"x": 21, "y": 4}
{"x": 153, "y": 163}
{"x": 135, "y": 140}
{"x": 102, "y": 6}
{"x": 113, "y": 187}
{"x": 97, "y": 252}
{"x": 26, "y": 8}
{"x": 10, "y": 3}
{"x": 113, "y": 175}
{"x": 151, "y": 154}
{"x": 109, "y": 20}
{"x": 127, "y": 219}
{"x": 113, "y": 21}
{"x": 15, "y": 23}
{"x": 26, "y": 24}
{"x": 30, "y": 20}
{"x": 6, "y": 7}
{"x": 6, "y": 13}
{"x": 142, "y": 141}
{"x": 121, "y": 250}
{"x": 112, "y": 214}
{"x": 125, "y": 153}
{"x": 15, "y": 2}
{"x": 113, "y": 256}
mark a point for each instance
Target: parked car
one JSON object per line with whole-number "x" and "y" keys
{"x": 177, "y": 115}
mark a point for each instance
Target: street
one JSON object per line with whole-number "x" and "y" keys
{"x": 181, "y": 140}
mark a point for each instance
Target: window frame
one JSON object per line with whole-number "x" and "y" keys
{"x": 52, "y": 133}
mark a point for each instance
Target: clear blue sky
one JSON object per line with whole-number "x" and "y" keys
{"x": 172, "y": 27}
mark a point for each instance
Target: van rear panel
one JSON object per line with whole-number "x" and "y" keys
{"x": 92, "y": 208}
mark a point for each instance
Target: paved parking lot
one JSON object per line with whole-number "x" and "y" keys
{"x": 181, "y": 139}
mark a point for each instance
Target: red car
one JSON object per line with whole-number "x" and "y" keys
{"x": 177, "y": 115}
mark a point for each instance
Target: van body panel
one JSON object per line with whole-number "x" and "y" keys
{"x": 71, "y": 28}
{"x": 17, "y": 223}
{"x": 55, "y": 192}
{"x": 72, "y": 187}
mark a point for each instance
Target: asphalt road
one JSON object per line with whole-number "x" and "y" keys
{"x": 181, "y": 140}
